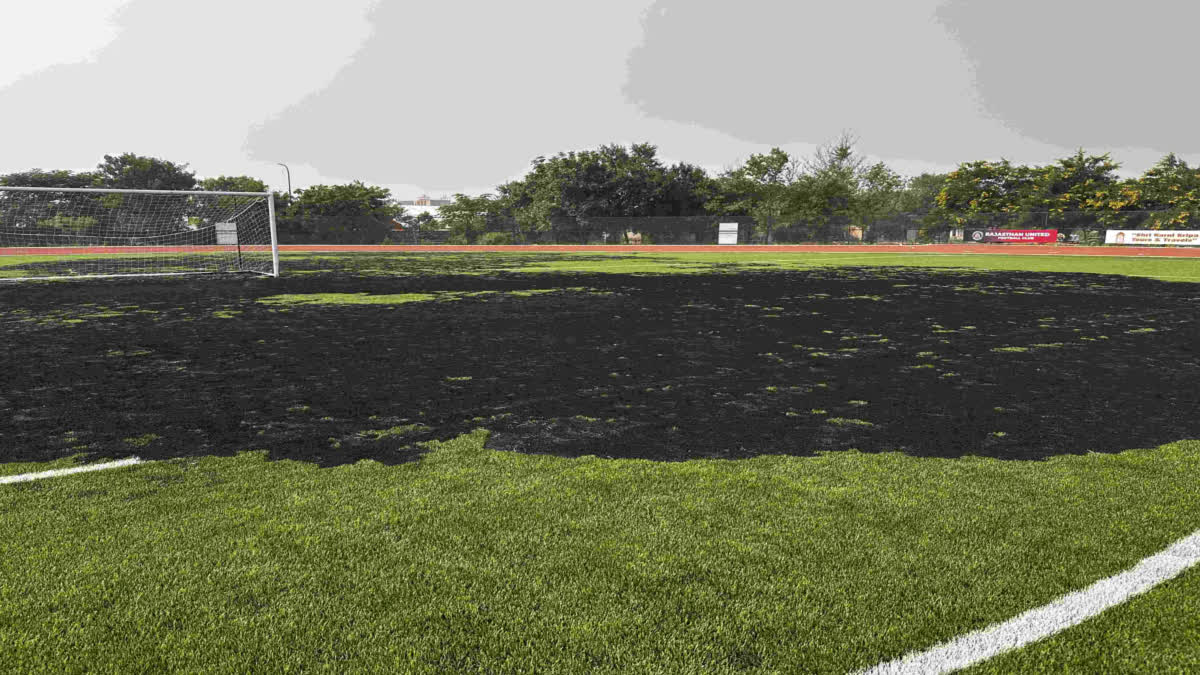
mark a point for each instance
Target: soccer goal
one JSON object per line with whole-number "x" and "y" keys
{"x": 53, "y": 233}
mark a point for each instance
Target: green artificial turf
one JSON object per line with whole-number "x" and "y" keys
{"x": 475, "y": 560}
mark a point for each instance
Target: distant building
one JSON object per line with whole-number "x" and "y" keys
{"x": 423, "y": 204}
{"x": 424, "y": 200}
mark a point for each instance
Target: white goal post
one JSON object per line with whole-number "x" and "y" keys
{"x": 55, "y": 233}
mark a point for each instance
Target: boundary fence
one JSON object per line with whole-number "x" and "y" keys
{"x": 903, "y": 228}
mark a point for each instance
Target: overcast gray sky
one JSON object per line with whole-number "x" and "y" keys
{"x": 460, "y": 95}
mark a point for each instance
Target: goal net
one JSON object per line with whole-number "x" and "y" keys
{"x": 81, "y": 232}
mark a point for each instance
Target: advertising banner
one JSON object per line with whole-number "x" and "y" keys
{"x": 996, "y": 236}
{"x": 727, "y": 233}
{"x": 1153, "y": 237}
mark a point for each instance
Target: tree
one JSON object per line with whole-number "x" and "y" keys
{"x": 837, "y": 157}
{"x": 134, "y": 172}
{"x": 467, "y": 217}
{"x": 56, "y": 178}
{"x": 877, "y": 195}
{"x": 576, "y": 188}
{"x": 422, "y": 220}
{"x": 760, "y": 188}
{"x": 978, "y": 188}
{"x": 233, "y": 184}
{"x": 919, "y": 194}
{"x": 532, "y": 202}
{"x": 54, "y": 213}
{"x": 353, "y": 213}
{"x": 838, "y": 185}
{"x": 1071, "y": 191}
{"x": 685, "y": 191}
{"x": 830, "y": 181}
{"x": 612, "y": 181}
{"x": 1171, "y": 188}
{"x": 352, "y": 199}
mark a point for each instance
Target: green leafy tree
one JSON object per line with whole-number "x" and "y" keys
{"x": 410, "y": 225}
{"x": 1171, "y": 188}
{"x": 134, "y": 172}
{"x": 1073, "y": 183}
{"x": 686, "y": 190}
{"x": 532, "y": 202}
{"x": 877, "y": 195}
{"x": 468, "y": 217}
{"x": 352, "y": 199}
{"x": 836, "y": 167}
{"x": 919, "y": 194}
{"x": 353, "y": 213}
{"x": 574, "y": 188}
{"x": 232, "y": 184}
{"x": 837, "y": 185}
{"x": 55, "y": 178}
{"x": 74, "y": 223}
{"x": 423, "y": 220}
{"x": 611, "y": 181}
{"x": 1070, "y": 193}
{"x": 976, "y": 189}
{"x": 614, "y": 181}
{"x": 61, "y": 212}
{"x": 760, "y": 188}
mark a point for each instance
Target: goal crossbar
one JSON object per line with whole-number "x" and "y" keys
{"x": 100, "y": 232}
{"x": 13, "y": 188}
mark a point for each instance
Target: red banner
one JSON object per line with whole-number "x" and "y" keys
{"x": 1010, "y": 236}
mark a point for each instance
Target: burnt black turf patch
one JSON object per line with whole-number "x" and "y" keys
{"x": 936, "y": 363}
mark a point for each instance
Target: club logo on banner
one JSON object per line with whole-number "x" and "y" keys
{"x": 1013, "y": 236}
{"x": 1153, "y": 237}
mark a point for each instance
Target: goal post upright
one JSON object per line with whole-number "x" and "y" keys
{"x": 274, "y": 235}
{"x": 93, "y": 232}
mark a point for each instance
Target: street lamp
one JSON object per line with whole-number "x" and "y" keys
{"x": 289, "y": 176}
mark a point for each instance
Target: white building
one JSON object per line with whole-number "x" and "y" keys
{"x": 423, "y": 204}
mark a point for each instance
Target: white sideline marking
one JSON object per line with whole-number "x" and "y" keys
{"x": 1069, "y": 610}
{"x": 20, "y": 478}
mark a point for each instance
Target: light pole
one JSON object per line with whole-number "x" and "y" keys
{"x": 289, "y": 176}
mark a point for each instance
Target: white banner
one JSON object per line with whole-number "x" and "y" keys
{"x": 727, "y": 233}
{"x": 1153, "y": 237}
{"x": 227, "y": 234}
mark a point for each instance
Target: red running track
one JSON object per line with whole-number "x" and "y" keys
{"x": 1009, "y": 249}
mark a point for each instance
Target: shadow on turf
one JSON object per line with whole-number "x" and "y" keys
{"x": 939, "y": 363}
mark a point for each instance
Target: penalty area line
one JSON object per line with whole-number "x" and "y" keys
{"x": 20, "y": 478}
{"x": 1067, "y": 611}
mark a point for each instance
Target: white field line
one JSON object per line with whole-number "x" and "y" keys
{"x": 1069, "y": 610}
{"x": 20, "y": 478}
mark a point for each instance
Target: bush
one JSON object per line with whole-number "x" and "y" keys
{"x": 496, "y": 239}
{"x": 68, "y": 222}
{"x": 333, "y": 230}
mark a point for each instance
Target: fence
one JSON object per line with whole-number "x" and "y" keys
{"x": 1073, "y": 227}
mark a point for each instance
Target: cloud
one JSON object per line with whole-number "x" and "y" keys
{"x": 36, "y": 35}
{"x": 1085, "y": 72}
{"x": 458, "y": 93}
{"x": 774, "y": 73}
{"x": 433, "y": 97}
{"x": 182, "y": 81}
